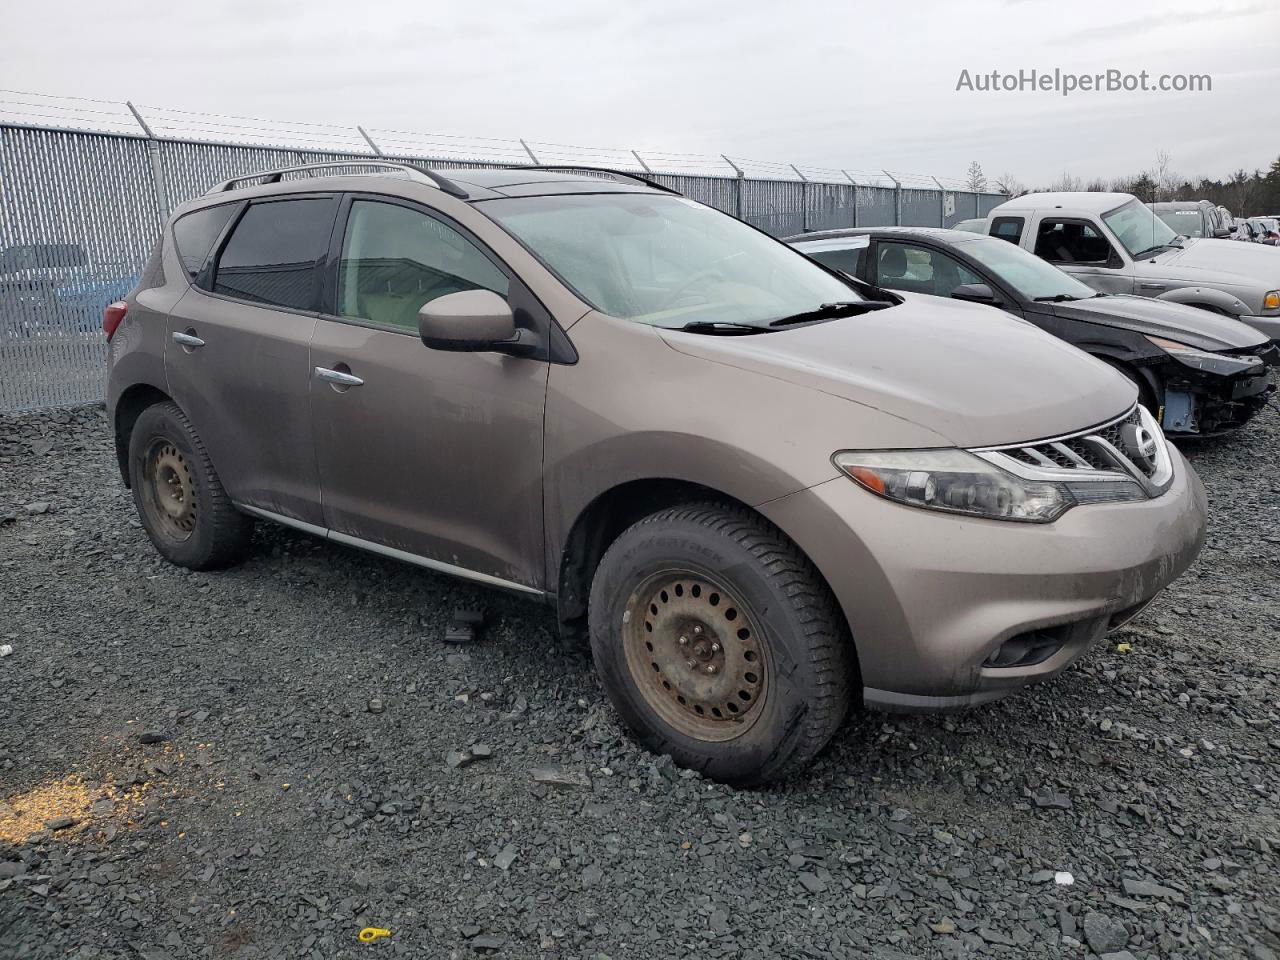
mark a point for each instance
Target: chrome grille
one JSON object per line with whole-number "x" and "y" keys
{"x": 1105, "y": 452}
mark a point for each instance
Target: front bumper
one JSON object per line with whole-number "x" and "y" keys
{"x": 1211, "y": 398}
{"x": 930, "y": 597}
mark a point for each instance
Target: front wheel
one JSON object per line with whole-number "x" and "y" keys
{"x": 719, "y": 643}
{"x": 180, "y": 500}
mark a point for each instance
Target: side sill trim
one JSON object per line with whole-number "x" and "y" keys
{"x": 402, "y": 555}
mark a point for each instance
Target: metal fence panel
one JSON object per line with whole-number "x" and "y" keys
{"x": 80, "y": 211}
{"x": 876, "y": 207}
{"x": 77, "y": 212}
{"x": 921, "y": 208}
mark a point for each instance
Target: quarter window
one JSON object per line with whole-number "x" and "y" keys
{"x": 848, "y": 260}
{"x": 395, "y": 259}
{"x": 1007, "y": 228}
{"x": 272, "y": 254}
{"x": 196, "y": 233}
{"x": 1070, "y": 241}
{"x": 904, "y": 266}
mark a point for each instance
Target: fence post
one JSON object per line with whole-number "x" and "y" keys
{"x": 377, "y": 150}
{"x": 897, "y": 198}
{"x": 156, "y": 161}
{"x": 640, "y": 160}
{"x": 737, "y": 172}
{"x": 528, "y": 151}
{"x": 855, "y": 195}
{"x": 804, "y": 198}
{"x": 942, "y": 202}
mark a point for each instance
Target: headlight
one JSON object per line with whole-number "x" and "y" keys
{"x": 1184, "y": 352}
{"x": 956, "y": 481}
{"x": 1271, "y": 301}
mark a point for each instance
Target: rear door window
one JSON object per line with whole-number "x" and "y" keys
{"x": 195, "y": 234}
{"x": 273, "y": 251}
{"x": 1007, "y": 228}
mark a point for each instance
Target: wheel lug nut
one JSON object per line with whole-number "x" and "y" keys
{"x": 692, "y": 664}
{"x": 684, "y": 641}
{"x": 715, "y": 648}
{"x": 698, "y": 630}
{"x": 711, "y": 668}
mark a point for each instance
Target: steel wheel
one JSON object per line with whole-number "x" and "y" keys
{"x": 696, "y": 654}
{"x": 170, "y": 490}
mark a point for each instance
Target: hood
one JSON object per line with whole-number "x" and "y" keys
{"x": 1217, "y": 263}
{"x": 972, "y": 374}
{"x": 1198, "y": 328}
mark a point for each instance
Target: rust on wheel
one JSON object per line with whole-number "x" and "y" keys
{"x": 696, "y": 654}
{"x": 170, "y": 490}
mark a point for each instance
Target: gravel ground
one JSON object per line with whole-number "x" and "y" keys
{"x": 260, "y": 762}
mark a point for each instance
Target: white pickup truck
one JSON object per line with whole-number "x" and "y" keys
{"x": 1115, "y": 244}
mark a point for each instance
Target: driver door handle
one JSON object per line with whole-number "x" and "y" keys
{"x": 187, "y": 340}
{"x": 338, "y": 377}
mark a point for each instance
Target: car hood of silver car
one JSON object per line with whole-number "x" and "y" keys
{"x": 1218, "y": 262}
{"x": 971, "y": 374}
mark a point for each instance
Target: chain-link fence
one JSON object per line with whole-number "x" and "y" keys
{"x": 85, "y": 191}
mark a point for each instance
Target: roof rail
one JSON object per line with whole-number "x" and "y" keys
{"x": 273, "y": 176}
{"x": 617, "y": 174}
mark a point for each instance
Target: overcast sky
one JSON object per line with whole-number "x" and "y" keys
{"x": 838, "y": 83}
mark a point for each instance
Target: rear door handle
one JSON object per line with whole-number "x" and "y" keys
{"x": 338, "y": 377}
{"x": 187, "y": 340}
{"x": 1151, "y": 286}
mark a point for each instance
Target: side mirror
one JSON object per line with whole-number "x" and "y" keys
{"x": 1219, "y": 234}
{"x": 976, "y": 293}
{"x": 471, "y": 321}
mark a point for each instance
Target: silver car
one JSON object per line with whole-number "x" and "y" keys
{"x": 1115, "y": 244}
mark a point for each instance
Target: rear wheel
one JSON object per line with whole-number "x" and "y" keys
{"x": 719, "y": 643}
{"x": 179, "y": 498}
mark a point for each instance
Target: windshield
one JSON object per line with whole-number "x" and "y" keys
{"x": 1026, "y": 273}
{"x": 667, "y": 261}
{"x": 1138, "y": 229}
{"x": 1189, "y": 223}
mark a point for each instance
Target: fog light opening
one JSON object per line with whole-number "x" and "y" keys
{"x": 1026, "y": 649}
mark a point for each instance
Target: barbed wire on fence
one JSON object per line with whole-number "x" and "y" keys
{"x": 93, "y": 115}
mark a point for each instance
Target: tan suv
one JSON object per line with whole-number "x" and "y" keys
{"x": 765, "y": 488}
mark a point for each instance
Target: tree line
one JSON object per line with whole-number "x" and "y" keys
{"x": 1244, "y": 193}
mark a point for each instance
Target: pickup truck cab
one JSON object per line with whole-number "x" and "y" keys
{"x": 1115, "y": 244}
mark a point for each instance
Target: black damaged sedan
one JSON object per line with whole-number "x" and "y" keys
{"x": 1202, "y": 373}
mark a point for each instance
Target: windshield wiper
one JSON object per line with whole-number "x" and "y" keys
{"x": 722, "y": 327}
{"x": 828, "y": 311}
{"x": 1150, "y": 250}
{"x": 1056, "y": 298}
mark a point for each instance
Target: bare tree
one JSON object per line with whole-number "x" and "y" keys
{"x": 1010, "y": 185}
{"x": 1066, "y": 184}
{"x": 975, "y": 178}
{"x": 1163, "y": 176}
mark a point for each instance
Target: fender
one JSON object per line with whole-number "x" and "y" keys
{"x": 1207, "y": 296}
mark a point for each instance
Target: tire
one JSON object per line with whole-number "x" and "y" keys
{"x": 1146, "y": 395}
{"x": 706, "y": 585}
{"x": 180, "y": 501}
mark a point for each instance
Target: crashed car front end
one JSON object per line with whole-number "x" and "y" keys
{"x": 1207, "y": 393}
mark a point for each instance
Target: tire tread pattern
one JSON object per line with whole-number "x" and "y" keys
{"x": 825, "y": 642}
